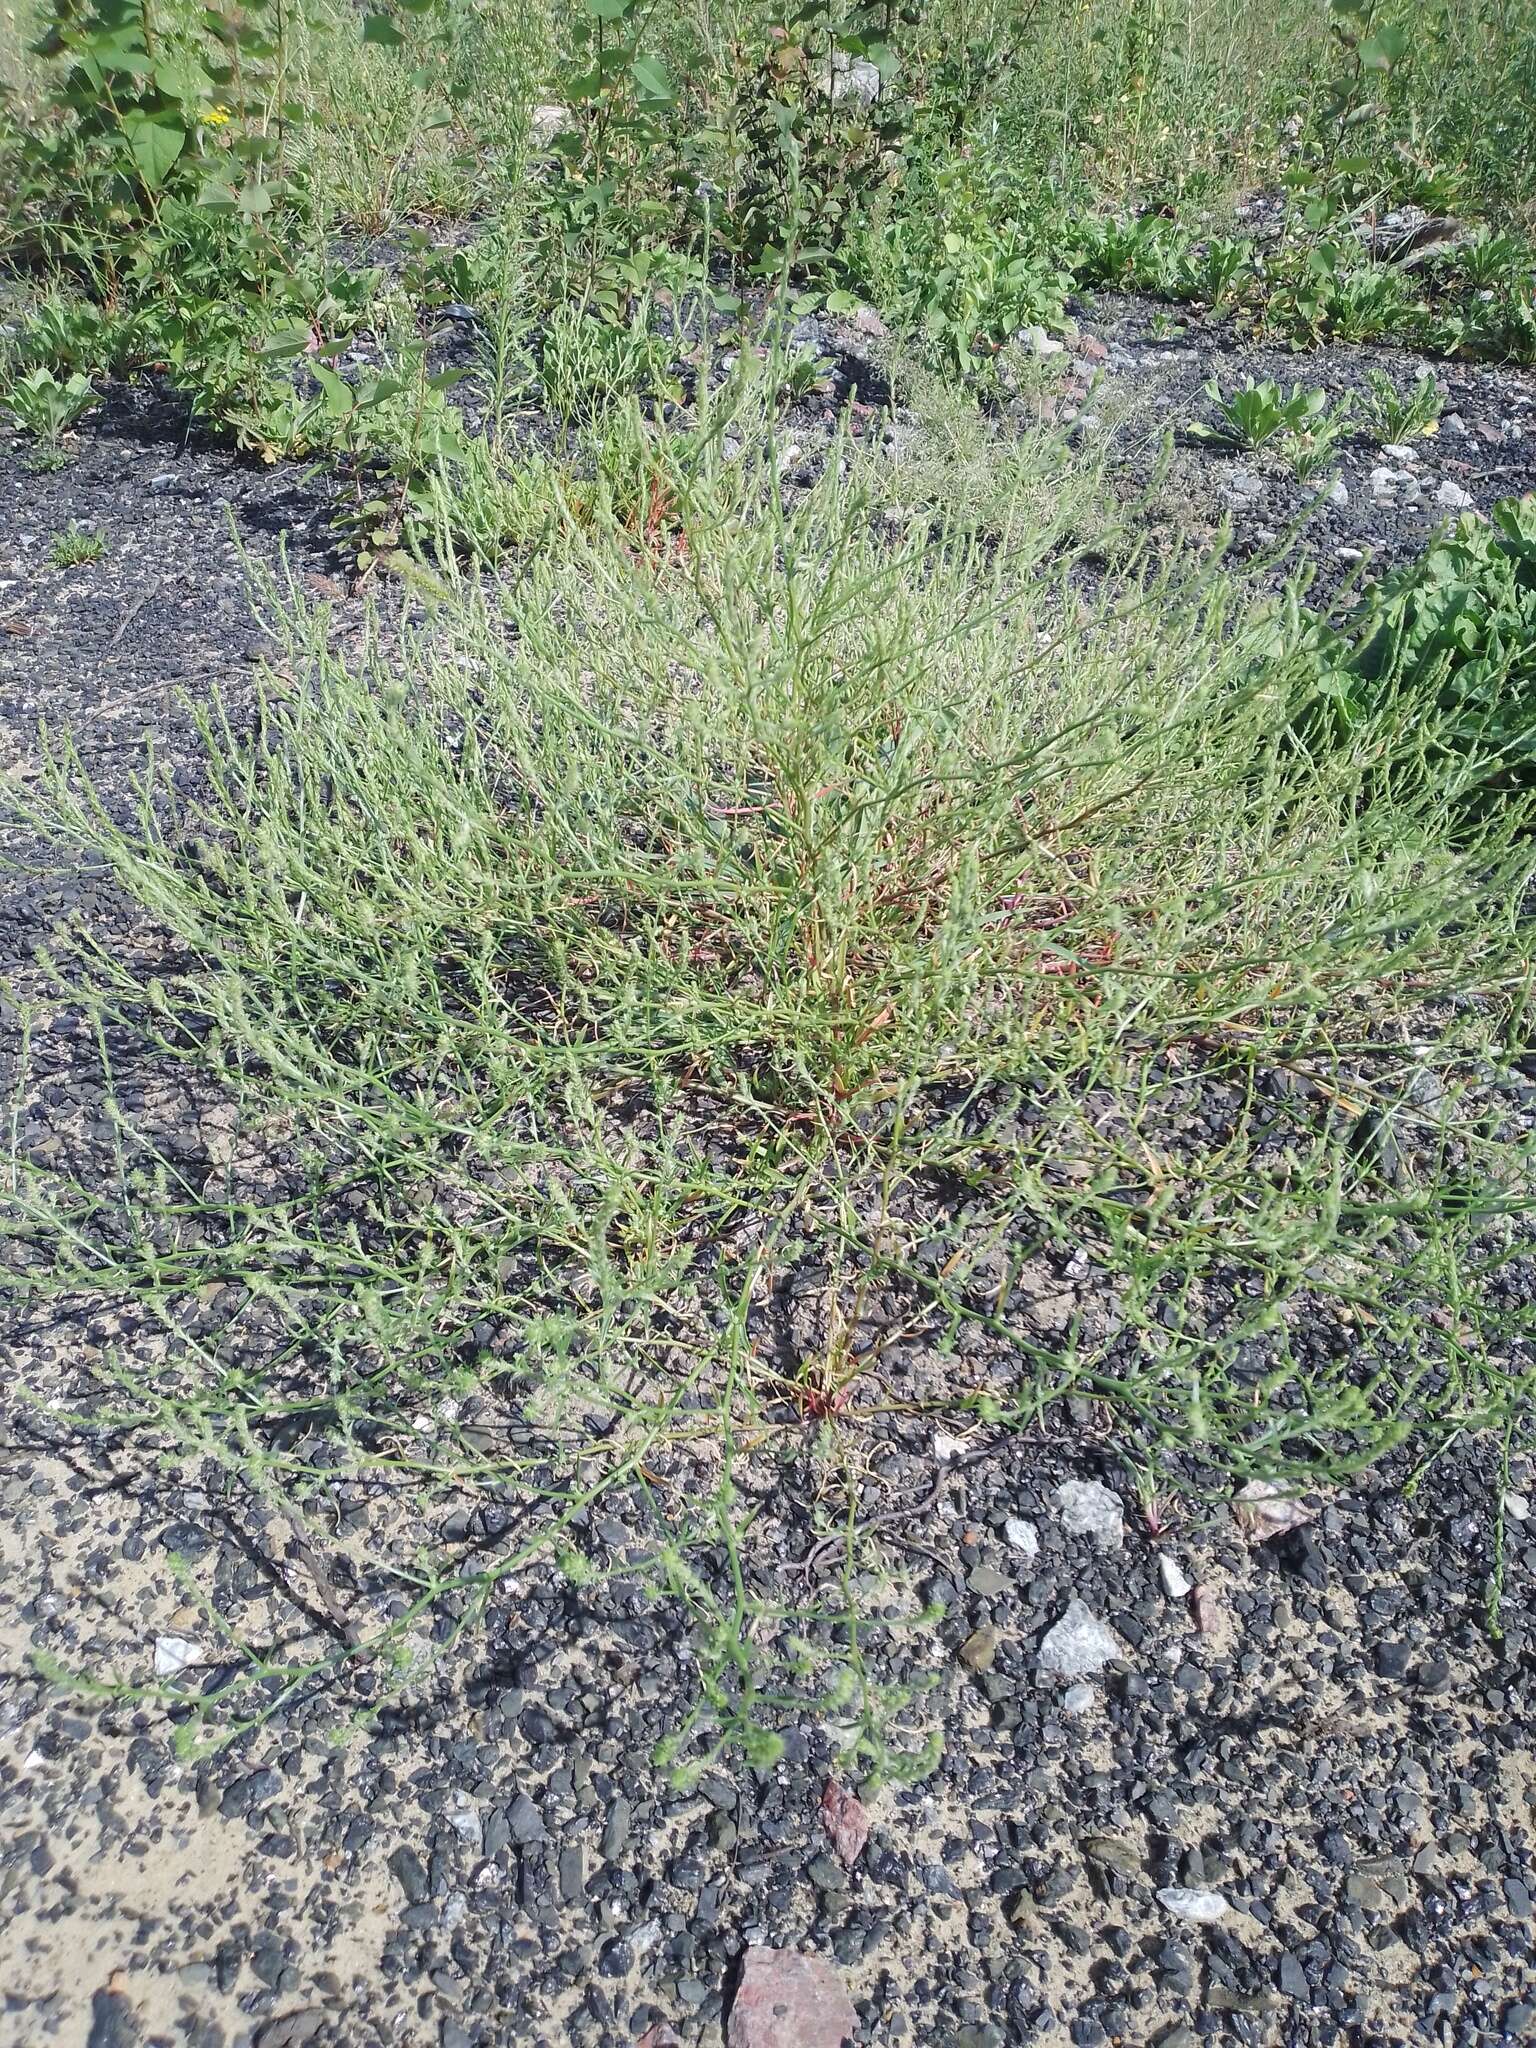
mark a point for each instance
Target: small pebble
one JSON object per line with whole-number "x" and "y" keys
{"x": 1188, "y": 1903}
{"x": 1177, "y": 1583}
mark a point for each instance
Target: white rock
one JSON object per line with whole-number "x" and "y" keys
{"x": 643, "y": 1939}
{"x": 174, "y": 1654}
{"x": 1401, "y": 452}
{"x": 1192, "y": 1905}
{"x": 1090, "y": 1509}
{"x": 852, "y": 78}
{"x": 1177, "y": 1583}
{"x": 1079, "y": 1645}
{"x": 463, "y": 1816}
{"x": 1517, "y": 1506}
{"x": 546, "y": 123}
{"x": 946, "y": 1447}
{"x": 1022, "y": 1536}
{"x": 1336, "y": 492}
{"x": 1039, "y": 343}
{"x": 1078, "y": 1699}
{"x": 1453, "y": 497}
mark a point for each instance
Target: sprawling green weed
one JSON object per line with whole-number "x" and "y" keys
{"x": 1057, "y": 983}
{"x": 732, "y": 896}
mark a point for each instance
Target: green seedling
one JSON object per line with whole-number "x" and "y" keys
{"x": 1311, "y": 451}
{"x": 1257, "y": 413}
{"x": 1392, "y": 415}
{"x": 47, "y": 408}
{"x": 75, "y": 545}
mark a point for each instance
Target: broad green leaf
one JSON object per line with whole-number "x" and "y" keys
{"x": 154, "y": 141}
{"x": 339, "y": 396}
{"x": 181, "y": 77}
{"x": 651, "y": 80}
{"x": 286, "y": 343}
{"x": 123, "y": 51}
{"x": 378, "y": 28}
{"x": 1383, "y": 49}
{"x": 608, "y": 10}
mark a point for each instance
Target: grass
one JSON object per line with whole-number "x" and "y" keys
{"x": 75, "y": 546}
{"x": 686, "y": 916}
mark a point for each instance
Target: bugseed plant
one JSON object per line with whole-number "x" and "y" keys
{"x": 725, "y": 995}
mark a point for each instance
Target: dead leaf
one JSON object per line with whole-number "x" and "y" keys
{"x": 1204, "y": 1607}
{"x": 1265, "y": 1509}
{"x": 846, "y": 1823}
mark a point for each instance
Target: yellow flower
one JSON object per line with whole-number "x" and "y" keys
{"x": 215, "y": 117}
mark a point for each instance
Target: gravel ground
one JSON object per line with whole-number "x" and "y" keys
{"x": 1311, "y": 1736}
{"x": 1136, "y": 369}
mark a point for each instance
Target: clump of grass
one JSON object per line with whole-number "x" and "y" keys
{"x": 76, "y": 545}
{"x": 730, "y": 909}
